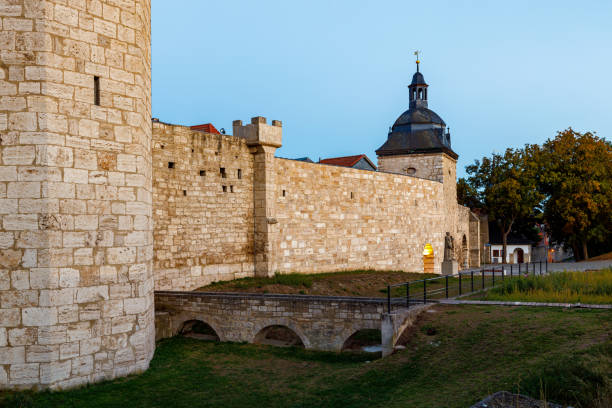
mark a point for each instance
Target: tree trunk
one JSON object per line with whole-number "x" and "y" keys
{"x": 504, "y": 246}
{"x": 576, "y": 252}
{"x": 584, "y": 250}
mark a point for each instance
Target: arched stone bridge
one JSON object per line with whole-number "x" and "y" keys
{"x": 321, "y": 322}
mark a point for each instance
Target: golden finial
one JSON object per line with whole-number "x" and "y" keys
{"x": 417, "y": 52}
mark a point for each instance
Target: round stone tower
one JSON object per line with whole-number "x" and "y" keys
{"x": 76, "y": 282}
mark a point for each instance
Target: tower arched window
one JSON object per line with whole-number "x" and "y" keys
{"x": 420, "y": 93}
{"x": 425, "y": 93}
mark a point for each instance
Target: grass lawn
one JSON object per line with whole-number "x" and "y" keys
{"x": 455, "y": 356}
{"x": 558, "y": 287}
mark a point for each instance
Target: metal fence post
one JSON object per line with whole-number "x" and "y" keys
{"x": 424, "y": 290}
{"x": 519, "y": 265}
{"x": 511, "y": 265}
{"x": 388, "y": 299}
{"x": 459, "y": 284}
{"x": 547, "y": 264}
{"x": 446, "y": 286}
{"x": 493, "y": 284}
{"x": 504, "y": 274}
{"x": 482, "y": 273}
{"x": 472, "y": 276}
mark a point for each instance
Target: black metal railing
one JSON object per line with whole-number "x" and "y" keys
{"x": 462, "y": 283}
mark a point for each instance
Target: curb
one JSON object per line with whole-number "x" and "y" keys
{"x": 537, "y": 304}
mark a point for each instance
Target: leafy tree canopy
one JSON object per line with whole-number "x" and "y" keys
{"x": 506, "y": 185}
{"x": 576, "y": 177}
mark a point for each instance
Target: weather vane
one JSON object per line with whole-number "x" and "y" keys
{"x": 417, "y": 52}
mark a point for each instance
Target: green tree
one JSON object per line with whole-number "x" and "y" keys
{"x": 507, "y": 186}
{"x": 467, "y": 195}
{"x": 576, "y": 177}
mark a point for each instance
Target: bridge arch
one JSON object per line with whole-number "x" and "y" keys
{"x": 260, "y": 328}
{"x": 199, "y": 329}
{"x": 180, "y": 320}
{"x": 362, "y": 338}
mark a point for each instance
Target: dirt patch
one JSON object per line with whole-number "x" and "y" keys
{"x": 367, "y": 284}
{"x": 602, "y": 257}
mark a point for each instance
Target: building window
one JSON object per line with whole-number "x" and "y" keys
{"x": 496, "y": 252}
{"x": 239, "y": 174}
{"x": 224, "y": 189}
{"x": 223, "y": 173}
{"x": 284, "y": 193}
{"x": 202, "y": 173}
{"x": 184, "y": 192}
{"x": 97, "y": 91}
{"x": 231, "y": 189}
{"x": 170, "y": 165}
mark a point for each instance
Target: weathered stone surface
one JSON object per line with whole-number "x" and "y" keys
{"x": 225, "y": 208}
{"x": 68, "y": 170}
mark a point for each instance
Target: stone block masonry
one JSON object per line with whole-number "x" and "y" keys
{"x": 321, "y": 322}
{"x": 76, "y": 281}
{"x": 335, "y": 218}
{"x": 203, "y": 207}
{"x": 225, "y": 208}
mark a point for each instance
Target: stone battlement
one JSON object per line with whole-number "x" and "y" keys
{"x": 258, "y": 132}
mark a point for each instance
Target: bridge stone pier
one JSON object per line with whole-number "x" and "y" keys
{"x": 321, "y": 322}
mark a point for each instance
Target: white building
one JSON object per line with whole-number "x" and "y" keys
{"x": 516, "y": 253}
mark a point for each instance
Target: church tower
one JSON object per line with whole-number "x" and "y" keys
{"x": 76, "y": 282}
{"x": 419, "y": 145}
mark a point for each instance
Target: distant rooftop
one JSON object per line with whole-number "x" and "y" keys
{"x": 304, "y": 159}
{"x": 207, "y": 128}
{"x": 350, "y": 161}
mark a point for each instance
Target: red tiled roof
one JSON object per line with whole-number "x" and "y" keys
{"x": 346, "y": 161}
{"x": 208, "y": 128}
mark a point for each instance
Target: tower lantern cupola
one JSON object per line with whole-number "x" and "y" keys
{"x": 418, "y": 130}
{"x": 418, "y": 89}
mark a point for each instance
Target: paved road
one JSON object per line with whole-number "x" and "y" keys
{"x": 579, "y": 266}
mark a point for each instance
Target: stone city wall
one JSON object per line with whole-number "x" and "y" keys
{"x": 335, "y": 218}
{"x": 76, "y": 283}
{"x": 217, "y": 219}
{"x": 202, "y": 207}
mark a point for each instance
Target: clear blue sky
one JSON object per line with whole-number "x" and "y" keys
{"x": 501, "y": 74}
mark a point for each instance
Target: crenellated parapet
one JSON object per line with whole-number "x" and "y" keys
{"x": 258, "y": 132}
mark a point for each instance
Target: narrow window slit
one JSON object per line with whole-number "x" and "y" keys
{"x": 225, "y": 189}
{"x": 202, "y": 173}
{"x": 231, "y": 189}
{"x": 97, "y": 91}
{"x": 239, "y": 174}
{"x": 223, "y": 173}
{"x": 284, "y": 193}
{"x": 184, "y": 192}
{"x": 170, "y": 165}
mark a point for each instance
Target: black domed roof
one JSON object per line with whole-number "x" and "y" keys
{"x": 418, "y": 79}
{"x": 419, "y": 115}
{"x": 419, "y": 129}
